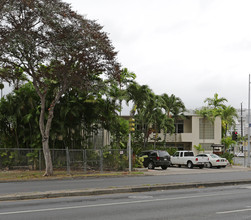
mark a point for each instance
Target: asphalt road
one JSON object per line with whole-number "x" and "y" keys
{"x": 172, "y": 175}
{"x": 221, "y": 203}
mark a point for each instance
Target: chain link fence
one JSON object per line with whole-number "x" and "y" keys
{"x": 66, "y": 159}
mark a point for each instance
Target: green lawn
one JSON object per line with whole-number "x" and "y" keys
{"x": 17, "y": 175}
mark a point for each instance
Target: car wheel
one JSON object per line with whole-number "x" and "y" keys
{"x": 151, "y": 166}
{"x": 189, "y": 164}
{"x": 201, "y": 167}
{"x": 210, "y": 165}
{"x": 164, "y": 167}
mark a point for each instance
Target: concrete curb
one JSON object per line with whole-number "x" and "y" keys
{"x": 132, "y": 189}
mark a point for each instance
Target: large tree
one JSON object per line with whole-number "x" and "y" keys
{"x": 55, "y": 48}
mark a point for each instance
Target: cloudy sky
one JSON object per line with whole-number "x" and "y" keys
{"x": 189, "y": 48}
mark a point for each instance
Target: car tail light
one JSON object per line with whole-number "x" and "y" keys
{"x": 207, "y": 158}
{"x": 217, "y": 160}
{"x": 158, "y": 158}
{"x": 196, "y": 159}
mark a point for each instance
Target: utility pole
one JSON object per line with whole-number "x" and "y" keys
{"x": 131, "y": 129}
{"x": 248, "y": 162}
{"x": 241, "y": 123}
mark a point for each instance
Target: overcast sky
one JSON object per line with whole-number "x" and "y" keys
{"x": 189, "y": 48}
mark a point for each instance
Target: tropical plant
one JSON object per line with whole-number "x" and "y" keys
{"x": 142, "y": 97}
{"x": 199, "y": 148}
{"x": 216, "y": 102}
{"x": 227, "y": 142}
{"x": 228, "y": 115}
{"x": 174, "y": 109}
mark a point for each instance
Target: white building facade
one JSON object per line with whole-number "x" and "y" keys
{"x": 193, "y": 130}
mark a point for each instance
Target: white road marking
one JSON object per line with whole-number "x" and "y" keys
{"x": 233, "y": 211}
{"x": 140, "y": 197}
{"x": 112, "y": 204}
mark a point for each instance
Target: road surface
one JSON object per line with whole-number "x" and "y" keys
{"x": 172, "y": 175}
{"x": 220, "y": 203}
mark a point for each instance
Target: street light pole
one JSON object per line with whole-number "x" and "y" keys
{"x": 248, "y": 162}
{"x": 241, "y": 124}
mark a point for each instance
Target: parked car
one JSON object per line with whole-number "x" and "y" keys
{"x": 187, "y": 158}
{"x": 214, "y": 160}
{"x": 156, "y": 158}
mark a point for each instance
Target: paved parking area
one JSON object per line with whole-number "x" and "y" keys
{"x": 185, "y": 170}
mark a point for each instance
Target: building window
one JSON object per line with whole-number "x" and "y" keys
{"x": 206, "y": 129}
{"x": 179, "y": 126}
{"x": 207, "y": 146}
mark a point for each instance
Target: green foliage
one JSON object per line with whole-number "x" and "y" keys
{"x": 227, "y": 141}
{"x": 33, "y": 158}
{"x": 228, "y": 156}
{"x": 138, "y": 163}
{"x": 199, "y": 148}
{"x": 7, "y": 158}
{"x": 171, "y": 150}
{"x": 216, "y": 107}
{"x": 113, "y": 160}
{"x": 206, "y": 113}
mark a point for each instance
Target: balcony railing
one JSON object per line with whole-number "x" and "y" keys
{"x": 178, "y": 137}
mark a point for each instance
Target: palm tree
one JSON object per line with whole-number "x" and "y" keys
{"x": 141, "y": 96}
{"x": 174, "y": 108}
{"x": 216, "y": 102}
{"x": 228, "y": 114}
{"x": 138, "y": 94}
{"x": 124, "y": 78}
{"x": 155, "y": 114}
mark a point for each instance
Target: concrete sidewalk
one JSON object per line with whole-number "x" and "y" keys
{"x": 141, "y": 188}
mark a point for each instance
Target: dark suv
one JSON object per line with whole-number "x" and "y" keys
{"x": 156, "y": 158}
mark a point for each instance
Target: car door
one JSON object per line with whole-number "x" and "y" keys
{"x": 153, "y": 157}
{"x": 181, "y": 159}
{"x": 175, "y": 158}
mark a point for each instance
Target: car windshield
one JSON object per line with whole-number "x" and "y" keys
{"x": 163, "y": 153}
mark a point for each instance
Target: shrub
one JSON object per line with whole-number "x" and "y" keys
{"x": 229, "y": 157}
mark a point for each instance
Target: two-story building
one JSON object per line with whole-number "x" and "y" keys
{"x": 193, "y": 130}
{"x": 190, "y": 131}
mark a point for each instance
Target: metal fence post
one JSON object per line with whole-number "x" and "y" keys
{"x": 40, "y": 161}
{"x": 132, "y": 159}
{"x": 68, "y": 161}
{"x": 101, "y": 160}
{"x": 130, "y": 152}
{"x": 84, "y": 160}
